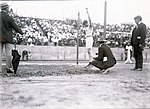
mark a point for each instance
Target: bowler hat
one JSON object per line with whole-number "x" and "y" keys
{"x": 4, "y": 5}
{"x": 138, "y": 17}
{"x": 101, "y": 40}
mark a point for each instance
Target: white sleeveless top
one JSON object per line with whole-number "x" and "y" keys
{"x": 89, "y": 37}
{"x": 89, "y": 32}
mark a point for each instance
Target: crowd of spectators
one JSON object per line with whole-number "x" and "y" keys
{"x": 54, "y": 32}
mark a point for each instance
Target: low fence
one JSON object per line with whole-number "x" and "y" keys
{"x": 68, "y": 53}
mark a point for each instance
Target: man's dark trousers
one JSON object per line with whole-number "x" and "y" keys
{"x": 138, "y": 56}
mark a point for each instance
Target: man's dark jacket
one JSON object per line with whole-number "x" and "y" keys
{"x": 7, "y": 23}
{"x": 139, "y": 35}
{"x": 104, "y": 51}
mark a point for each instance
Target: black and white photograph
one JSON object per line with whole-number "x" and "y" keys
{"x": 74, "y": 54}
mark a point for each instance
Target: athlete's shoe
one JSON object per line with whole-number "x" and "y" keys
{"x": 105, "y": 71}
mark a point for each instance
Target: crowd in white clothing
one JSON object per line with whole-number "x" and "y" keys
{"x": 54, "y": 32}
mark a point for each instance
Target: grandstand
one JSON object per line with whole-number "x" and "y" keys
{"x": 64, "y": 32}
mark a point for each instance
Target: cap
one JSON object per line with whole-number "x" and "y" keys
{"x": 138, "y": 17}
{"x": 4, "y": 5}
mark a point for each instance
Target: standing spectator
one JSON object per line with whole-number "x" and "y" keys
{"x": 138, "y": 42}
{"x": 128, "y": 50}
{"x": 7, "y": 23}
{"x": 88, "y": 35}
{"x": 25, "y": 54}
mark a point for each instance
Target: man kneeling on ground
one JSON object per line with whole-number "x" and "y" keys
{"x": 105, "y": 59}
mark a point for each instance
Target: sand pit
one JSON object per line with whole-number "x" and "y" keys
{"x": 74, "y": 87}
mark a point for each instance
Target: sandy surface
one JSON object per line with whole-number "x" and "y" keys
{"x": 73, "y": 87}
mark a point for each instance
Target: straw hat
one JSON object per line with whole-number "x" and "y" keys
{"x": 4, "y": 5}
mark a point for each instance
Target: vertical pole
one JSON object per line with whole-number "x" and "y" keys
{"x": 78, "y": 38}
{"x": 0, "y": 57}
{"x": 146, "y": 56}
{"x": 105, "y": 17}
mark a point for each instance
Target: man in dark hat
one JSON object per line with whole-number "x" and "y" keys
{"x": 138, "y": 42}
{"x": 105, "y": 59}
{"x": 7, "y": 23}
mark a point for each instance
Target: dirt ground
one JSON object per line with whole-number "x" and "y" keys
{"x": 70, "y": 86}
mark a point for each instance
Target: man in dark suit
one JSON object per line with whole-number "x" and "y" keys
{"x": 7, "y": 23}
{"x": 105, "y": 58}
{"x": 138, "y": 42}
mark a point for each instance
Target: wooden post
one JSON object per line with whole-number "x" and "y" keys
{"x": 78, "y": 38}
{"x": 146, "y": 56}
{"x": 0, "y": 58}
{"x": 105, "y": 18}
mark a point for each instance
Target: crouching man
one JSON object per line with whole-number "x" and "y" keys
{"x": 105, "y": 59}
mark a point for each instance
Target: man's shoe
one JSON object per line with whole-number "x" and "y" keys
{"x": 134, "y": 69}
{"x": 139, "y": 69}
{"x": 106, "y": 71}
{"x": 10, "y": 70}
